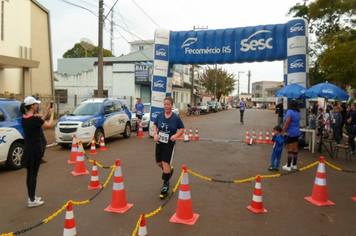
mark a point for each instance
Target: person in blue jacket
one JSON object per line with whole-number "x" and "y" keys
{"x": 279, "y": 140}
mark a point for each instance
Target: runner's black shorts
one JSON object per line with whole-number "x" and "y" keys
{"x": 139, "y": 117}
{"x": 165, "y": 152}
{"x": 293, "y": 139}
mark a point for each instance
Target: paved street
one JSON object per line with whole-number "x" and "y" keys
{"x": 222, "y": 206}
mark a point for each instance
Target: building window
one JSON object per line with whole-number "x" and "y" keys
{"x": 186, "y": 97}
{"x": 61, "y": 95}
{"x": 105, "y": 93}
{"x": 181, "y": 97}
{"x": 140, "y": 48}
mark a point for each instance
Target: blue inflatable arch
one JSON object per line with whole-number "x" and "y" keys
{"x": 287, "y": 42}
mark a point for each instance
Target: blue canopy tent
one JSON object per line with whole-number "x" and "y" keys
{"x": 327, "y": 90}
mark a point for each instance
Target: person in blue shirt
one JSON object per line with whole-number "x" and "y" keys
{"x": 278, "y": 140}
{"x": 337, "y": 124}
{"x": 352, "y": 127}
{"x": 140, "y": 111}
{"x": 312, "y": 120}
{"x": 167, "y": 127}
{"x": 242, "y": 106}
{"x": 292, "y": 129}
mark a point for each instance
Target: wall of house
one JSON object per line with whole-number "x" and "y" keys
{"x": 42, "y": 80}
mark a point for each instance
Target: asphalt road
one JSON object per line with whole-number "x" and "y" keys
{"x": 222, "y": 206}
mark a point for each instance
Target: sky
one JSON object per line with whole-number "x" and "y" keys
{"x": 74, "y": 20}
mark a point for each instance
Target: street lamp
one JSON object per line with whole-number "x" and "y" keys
{"x": 238, "y": 84}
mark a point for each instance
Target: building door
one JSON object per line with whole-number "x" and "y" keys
{"x": 145, "y": 93}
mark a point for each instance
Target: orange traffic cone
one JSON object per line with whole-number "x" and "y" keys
{"x": 257, "y": 206}
{"x": 354, "y": 198}
{"x": 267, "y": 137}
{"x": 73, "y": 151}
{"x": 247, "y": 140}
{"x": 102, "y": 143}
{"x": 190, "y": 134}
{"x": 196, "y": 137}
{"x": 271, "y": 140}
{"x": 118, "y": 201}
{"x": 319, "y": 196}
{"x": 142, "y": 231}
{"x": 69, "y": 225}
{"x": 94, "y": 183}
{"x": 93, "y": 147}
{"x": 184, "y": 214}
{"x": 80, "y": 163}
{"x": 140, "y": 131}
{"x": 254, "y": 136}
{"x": 260, "y": 138}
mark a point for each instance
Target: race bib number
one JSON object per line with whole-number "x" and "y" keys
{"x": 163, "y": 137}
{"x": 139, "y": 113}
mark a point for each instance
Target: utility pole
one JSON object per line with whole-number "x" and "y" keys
{"x": 100, "y": 50}
{"x": 249, "y": 82}
{"x": 192, "y": 87}
{"x": 112, "y": 33}
{"x": 238, "y": 84}
{"x": 216, "y": 68}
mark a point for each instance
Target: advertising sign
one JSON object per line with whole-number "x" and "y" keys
{"x": 245, "y": 44}
{"x": 142, "y": 73}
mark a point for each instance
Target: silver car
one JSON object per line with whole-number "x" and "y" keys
{"x": 204, "y": 107}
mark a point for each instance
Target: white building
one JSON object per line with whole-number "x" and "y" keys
{"x": 263, "y": 92}
{"x": 25, "y": 50}
{"x": 128, "y": 76}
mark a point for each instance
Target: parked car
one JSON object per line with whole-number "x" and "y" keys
{"x": 204, "y": 107}
{"x": 93, "y": 118}
{"x": 219, "y": 106}
{"x": 224, "y": 106}
{"x": 213, "y": 107}
{"x": 11, "y": 133}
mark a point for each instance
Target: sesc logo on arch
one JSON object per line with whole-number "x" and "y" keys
{"x": 161, "y": 52}
{"x": 159, "y": 84}
{"x": 259, "y": 40}
{"x": 296, "y": 28}
{"x": 297, "y": 64}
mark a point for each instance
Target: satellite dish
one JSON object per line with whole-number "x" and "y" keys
{"x": 87, "y": 44}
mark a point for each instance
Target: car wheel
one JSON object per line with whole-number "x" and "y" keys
{"x": 64, "y": 145}
{"x": 14, "y": 157}
{"x": 98, "y": 134}
{"x": 127, "y": 131}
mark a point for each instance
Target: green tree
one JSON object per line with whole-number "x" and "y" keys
{"x": 224, "y": 81}
{"x": 78, "y": 51}
{"x": 332, "y": 40}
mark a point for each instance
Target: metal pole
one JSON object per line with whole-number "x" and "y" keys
{"x": 100, "y": 50}
{"x": 238, "y": 84}
{"x": 192, "y": 88}
{"x": 216, "y": 68}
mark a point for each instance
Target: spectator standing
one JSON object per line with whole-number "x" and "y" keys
{"x": 352, "y": 127}
{"x": 34, "y": 149}
{"x": 292, "y": 129}
{"x": 280, "y": 113}
{"x": 278, "y": 140}
{"x": 337, "y": 124}
{"x": 320, "y": 120}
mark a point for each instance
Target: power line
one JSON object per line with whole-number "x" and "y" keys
{"x": 145, "y": 13}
